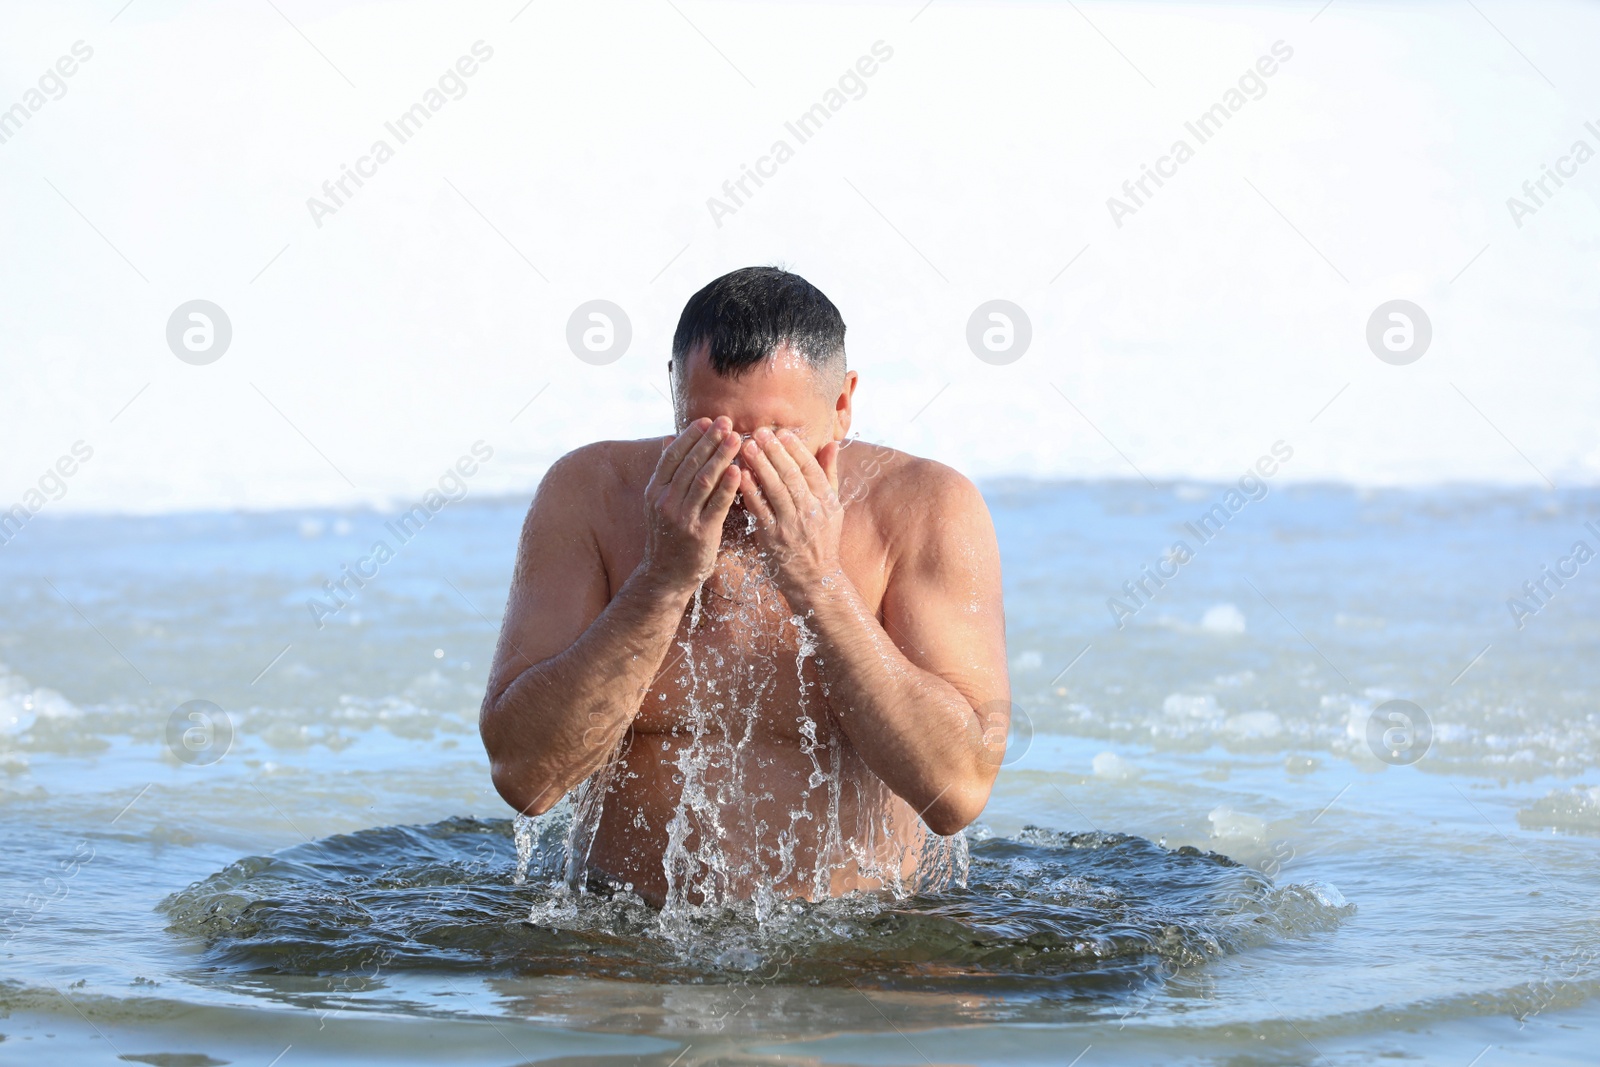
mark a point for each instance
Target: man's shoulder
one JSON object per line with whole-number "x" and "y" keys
{"x": 604, "y": 463}
{"x": 599, "y": 473}
{"x": 929, "y": 519}
{"x": 908, "y": 495}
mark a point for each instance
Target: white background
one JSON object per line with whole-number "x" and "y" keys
{"x": 1223, "y": 316}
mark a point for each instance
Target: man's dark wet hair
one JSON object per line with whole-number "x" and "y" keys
{"x": 748, "y": 313}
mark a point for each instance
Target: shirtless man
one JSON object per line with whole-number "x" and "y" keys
{"x": 776, "y": 663}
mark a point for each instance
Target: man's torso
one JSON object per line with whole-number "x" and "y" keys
{"x": 734, "y": 774}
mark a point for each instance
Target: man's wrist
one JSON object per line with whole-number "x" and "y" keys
{"x": 817, "y": 594}
{"x": 654, "y": 586}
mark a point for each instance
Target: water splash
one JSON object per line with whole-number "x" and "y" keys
{"x": 844, "y": 829}
{"x": 522, "y": 831}
{"x": 1047, "y": 916}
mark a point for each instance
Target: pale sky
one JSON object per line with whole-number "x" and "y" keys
{"x": 974, "y": 163}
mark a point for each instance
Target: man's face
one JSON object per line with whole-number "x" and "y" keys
{"x": 782, "y": 392}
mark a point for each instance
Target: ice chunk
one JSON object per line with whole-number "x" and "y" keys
{"x": 1189, "y": 706}
{"x": 1225, "y": 822}
{"x": 1027, "y": 661}
{"x": 1223, "y": 619}
{"x": 1113, "y": 768}
{"x": 1254, "y": 724}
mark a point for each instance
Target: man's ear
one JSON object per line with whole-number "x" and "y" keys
{"x": 843, "y": 406}
{"x": 672, "y": 393}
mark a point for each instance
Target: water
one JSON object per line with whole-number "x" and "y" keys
{"x": 1046, "y": 919}
{"x": 1192, "y": 855}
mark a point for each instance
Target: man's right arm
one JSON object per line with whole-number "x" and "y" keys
{"x": 571, "y": 669}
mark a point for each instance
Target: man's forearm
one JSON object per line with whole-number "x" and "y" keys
{"x": 914, "y": 729}
{"x": 557, "y": 721}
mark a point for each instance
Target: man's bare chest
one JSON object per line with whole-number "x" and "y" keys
{"x": 742, "y": 661}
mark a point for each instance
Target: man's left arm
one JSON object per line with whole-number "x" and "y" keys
{"x": 923, "y": 695}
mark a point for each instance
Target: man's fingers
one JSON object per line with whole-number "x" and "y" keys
{"x": 755, "y": 501}
{"x": 673, "y": 454}
{"x": 816, "y": 478}
{"x": 707, "y": 477}
{"x": 779, "y": 502}
{"x": 788, "y": 470}
{"x": 721, "y": 498}
{"x": 683, "y": 479}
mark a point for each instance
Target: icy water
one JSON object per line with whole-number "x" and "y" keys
{"x": 1212, "y": 841}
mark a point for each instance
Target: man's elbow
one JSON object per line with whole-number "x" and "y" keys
{"x": 519, "y": 789}
{"x": 955, "y": 809}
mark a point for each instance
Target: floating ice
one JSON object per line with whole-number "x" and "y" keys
{"x": 1227, "y": 823}
{"x": 22, "y": 704}
{"x": 1223, "y": 619}
{"x": 1576, "y": 810}
{"x": 1027, "y": 661}
{"x": 1254, "y": 724}
{"x": 1114, "y": 768}
{"x": 1327, "y": 895}
{"x": 1188, "y": 706}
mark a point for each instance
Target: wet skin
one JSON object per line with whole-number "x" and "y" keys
{"x": 889, "y": 559}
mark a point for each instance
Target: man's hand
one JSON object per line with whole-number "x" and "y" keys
{"x": 688, "y": 497}
{"x": 795, "y": 500}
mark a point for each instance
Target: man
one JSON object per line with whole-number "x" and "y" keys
{"x": 768, "y": 688}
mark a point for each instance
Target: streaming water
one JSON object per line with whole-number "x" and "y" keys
{"x": 727, "y": 684}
